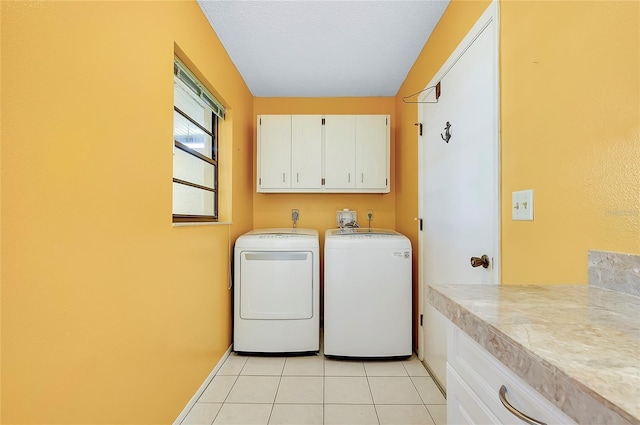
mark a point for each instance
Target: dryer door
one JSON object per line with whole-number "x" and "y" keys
{"x": 276, "y": 285}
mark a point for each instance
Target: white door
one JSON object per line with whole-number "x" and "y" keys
{"x": 459, "y": 179}
{"x": 306, "y": 151}
{"x": 372, "y": 151}
{"x": 274, "y": 151}
{"x": 339, "y": 151}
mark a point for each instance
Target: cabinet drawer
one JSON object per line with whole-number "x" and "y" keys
{"x": 484, "y": 375}
{"x": 463, "y": 405}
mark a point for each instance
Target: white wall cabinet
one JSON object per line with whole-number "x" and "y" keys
{"x": 289, "y": 152}
{"x": 331, "y": 153}
{"x": 356, "y": 152}
{"x": 474, "y": 379}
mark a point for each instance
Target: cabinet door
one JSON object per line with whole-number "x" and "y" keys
{"x": 463, "y": 406}
{"x": 306, "y": 151}
{"x": 372, "y": 151}
{"x": 339, "y": 151}
{"x": 483, "y": 375}
{"x": 274, "y": 152}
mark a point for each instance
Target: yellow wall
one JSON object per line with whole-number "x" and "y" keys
{"x": 570, "y": 102}
{"x": 570, "y": 121}
{"x": 109, "y": 313}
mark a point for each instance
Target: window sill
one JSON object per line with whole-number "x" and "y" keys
{"x": 203, "y": 223}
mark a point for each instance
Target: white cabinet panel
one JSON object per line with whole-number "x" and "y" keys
{"x": 357, "y": 152}
{"x": 306, "y": 151}
{"x": 483, "y": 375}
{"x": 274, "y": 151}
{"x": 463, "y": 405}
{"x": 372, "y": 151}
{"x": 340, "y": 151}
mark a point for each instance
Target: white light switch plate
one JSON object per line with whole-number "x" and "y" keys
{"x": 522, "y": 205}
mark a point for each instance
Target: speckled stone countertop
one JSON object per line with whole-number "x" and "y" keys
{"x": 577, "y": 345}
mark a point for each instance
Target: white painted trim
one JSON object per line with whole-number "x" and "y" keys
{"x": 203, "y": 223}
{"x": 203, "y": 387}
{"x": 491, "y": 14}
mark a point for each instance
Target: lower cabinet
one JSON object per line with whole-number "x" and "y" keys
{"x": 475, "y": 380}
{"x": 463, "y": 405}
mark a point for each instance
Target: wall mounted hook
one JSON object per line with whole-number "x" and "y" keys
{"x": 447, "y": 133}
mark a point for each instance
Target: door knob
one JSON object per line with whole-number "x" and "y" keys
{"x": 482, "y": 261}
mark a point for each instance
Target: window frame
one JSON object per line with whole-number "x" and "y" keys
{"x": 187, "y": 81}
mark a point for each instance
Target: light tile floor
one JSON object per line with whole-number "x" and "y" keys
{"x": 317, "y": 390}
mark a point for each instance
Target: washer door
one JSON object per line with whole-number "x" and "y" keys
{"x": 276, "y": 285}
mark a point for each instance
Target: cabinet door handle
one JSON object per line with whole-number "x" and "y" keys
{"x": 361, "y": 177}
{"x": 348, "y": 177}
{"x": 282, "y": 177}
{"x": 518, "y": 414}
{"x": 297, "y": 177}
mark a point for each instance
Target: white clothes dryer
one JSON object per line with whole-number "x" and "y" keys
{"x": 277, "y": 291}
{"x": 367, "y": 293}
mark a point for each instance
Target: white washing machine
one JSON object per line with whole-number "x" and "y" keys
{"x": 367, "y": 293}
{"x": 277, "y": 291}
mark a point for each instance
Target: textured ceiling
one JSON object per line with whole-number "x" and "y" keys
{"x": 323, "y": 48}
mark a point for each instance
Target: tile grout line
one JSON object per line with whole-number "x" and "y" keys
{"x": 375, "y": 409}
{"x": 323, "y": 387}
{"x": 230, "y": 389}
{"x": 275, "y": 397}
{"x": 227, "y": 396}
{"x": 368, "y": 374}
{"x": 424, "y": 403}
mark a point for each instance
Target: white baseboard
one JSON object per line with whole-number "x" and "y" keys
{"x": 200, "y": 390}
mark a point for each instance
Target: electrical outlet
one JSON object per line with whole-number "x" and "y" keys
{"x": 369, "y": 215}
{"x": 295, "y": 214}
{"x": 522, "y": 205}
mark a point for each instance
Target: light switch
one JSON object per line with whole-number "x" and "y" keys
{"x": 522, "y": 205}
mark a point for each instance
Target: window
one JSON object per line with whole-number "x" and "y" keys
{"x": 196, "y": 115}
